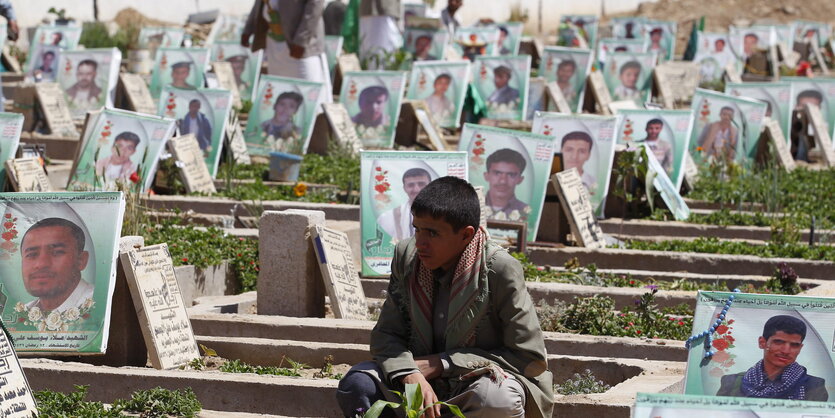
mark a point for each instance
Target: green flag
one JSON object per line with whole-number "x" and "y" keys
{"x": 351, "y": 27}
{"x": 693, "y": 43}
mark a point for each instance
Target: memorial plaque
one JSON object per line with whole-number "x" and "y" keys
{"x": 556, "y": 97}
{"x": 56, "y": 110}
{"x": 600, "y": 92}
{"x": 16, "y": 396}
{"x": 342, "y": 281}
{"x": 139, "y": 97}
{"x": 27, "y": 175}
{"x": 576, "y": 203}
{"x": 775, "y": 136}
{"x": 732, "y": 73}
{"x": 236, "y": 141}
{"x": 427, "y": 123}
{"x": 348, "y": 62}
{"x": 676, "y": 81}
{"x": 226, "y": 79}
{"x": 341, "y": 124}
{"x": 191, "y": 163}
{"x": 824, "y": 141}
{"x": 159, "y": 305}
{"x": 691, "y": 170}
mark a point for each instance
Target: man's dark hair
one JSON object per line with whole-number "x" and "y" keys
{"x": 570, "y": 62}
{"x": 507, "y": 155}
{"x": 127, "y": 136}
{"x": 369, "y": 94}
{"x": 193, "y": 101}
{"x": 810, "y": 94}
{"x": 631, "y": 64}
{"x": 451, "y": 199}
{"x": 503, "y": 70}
{"x": 785, "y": 323}
{"x": 443, "y": 76}
{"x": 423, "y": 37}
{"x": 727, "y": 108}
{"x": 503, "y": 30}
{"x": 577, "y": 136}
{"x": 292, "y": 95}
{"x": 655, "y": 121}
{"x": 89, "y": 62}
{"x": 751, "y": 35}
{"x": 416, "y": 172}
{"x": 75, "y": 231}
{"x": 48, "y": 53}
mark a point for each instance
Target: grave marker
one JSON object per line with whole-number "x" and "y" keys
{"x": 341, "y": 124}
{"x": 138, "y": 96}
{"x": 732, "y": 74}
{"x": 159, "y": 305}
{"x": 691, "y": 170}
{"x": 191, "y": 163}
{"x": 824, "y": 142}
{"x": 600, "y": 92}
{"x": 344, "y": 63}
{"x": 55, "y": 109}
{"x": 236, "y": 141}
{"x": 676, "y": 82}
{"x": 775, "y": 136}
{"x": 427, "y": 123}
{"x": 576, "y": 203}
{"x": 226, "y": 79}
{"x": 556, "y": 97}
{"x": 27, "y": 175}
{"x": 16, "y": 396}
{"x": 333, "y": 250}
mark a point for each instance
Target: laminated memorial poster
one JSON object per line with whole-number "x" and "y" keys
{"x": 45, "y": 49}
{"x": 607, "y": 45}
{"x": 664, "y": 186}
{"x": 777, "y": 96}
{"x": 184, "y": 68}
{"x": 425, "y": 44}
{"x": 201, "y": 112}
{"x": 660, "y": 38}
{"x": 502, "y": 83}
{"x": 818, "y": 31}
{"x": 11, "y": 124}
{"x": 629, "y": 75}
{"x": 118, "y": 145}
{"x": 89, "y": 78}
{"x": 226, "y": 28}
{"x": 414, "y": 10}
{"x": 473, "y": 41}
{"x": 754, "y": 336}
{"x": 246, "y": 65}
{"x": 510, "y": 37}
{"x": 158, "y": 37}
{"x": 537, "y": 98}
{"x": 666, "y": 132}
{"x": 747, "y": 41}
{"x": 282, "y": 115}
{"x": 573, "y": 27}
{"x": 713, "y": 54}
{"x": 587, "y": 143}
{"x": 725, "y": 128}
{"x": 58, "y": 268}
{"x": 443, "y": 86}
{"x": 669, "y": 405}
{"x": 333, "y": 49}
{"x": 818, "y": 91}
{"x": 390, "y": 182}
{"x": 373, "y": 101}
{"x": 568, "y": 67}
{"x": 630, "y": 27}
{"x": 513, "y": 167}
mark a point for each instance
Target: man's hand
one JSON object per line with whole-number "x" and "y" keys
{"x": 296, "y": 51}
{"x": 428, "y": 393}
{"x": 430, "y": 366}
{"x": 14, "y": 30}
{"x": 245, "y": 39}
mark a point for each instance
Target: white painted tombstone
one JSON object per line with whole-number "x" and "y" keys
{"x": 555, "y": 96}
{"x": 55, "y": 109}
{"x": 824, "y": 141}
{"x": 16, "y": 400}
{"x": 342, "y": 281}
{"x": 676, "y": 81}
{"x": 237, "y": 144}
{"x": 427, "y": 123}
{"x": 27, "y": 175}
{"x": 732, "y": 74}
{"x": 619, "y": 105}
{"x": 137, "y": 93}
{"x": 691, "y": 170}
{"x": 341, "y": 124}
{"x": 348, "y": 62}
{"x": 226, "y": 80}
{"x": 772, "y": 130}
{"x": 192, "y": 164}
{"x": 576, "y": 204}
{"x": 159, "y": 305}
{"x": 600, "y": 92}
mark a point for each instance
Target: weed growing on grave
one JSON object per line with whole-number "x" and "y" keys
{"x": 411, "y": 404}
{"x": 327, "y": 370}
{"x": 581, "y": 384}
{"x": 156, "y": 402}
{"x": 237, "y": 366}
{"x": 57, "y": 404}
{"x": 783, "y": 281}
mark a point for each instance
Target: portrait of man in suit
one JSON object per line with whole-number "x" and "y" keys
{"x": 504, "y": 94}
{"x": 195, "y": 122}
{"x": 84, "y": 94}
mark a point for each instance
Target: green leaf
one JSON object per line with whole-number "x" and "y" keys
{"x": 414, "y": 397}
{"x": 454, "y": 408}
{"x": 378, "y": 407}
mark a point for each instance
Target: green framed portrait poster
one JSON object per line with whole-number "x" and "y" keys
{"x": 513, "y": 167}
{"x": 226, "y": 28}
{"x": 740, "y": 339}
{"x": 587, "y": 143}
{"x": 725, "y": 127}
{"x": 819, "y": 91}
{"x": 161, "y": 37}
{"x": 669, "y": 405}
{"x": 119, "y": 145}
{"x": 202, "y": 112}
{"x": 45, "y": 49}
{"x": 745, "y": 41}
{"x": 389, "y": 182}
{"x": 184, "y": 68}
{"x": 629, "y": 27}
{"x": 502, "y": 83}
{"x": 58, "y": 268}
{"x": 510, "y": 37}
{"x": 664, "y": 186}
{"x": 660, "y": 38}
{"x": 573, "y": 27}
{"x": 804, "y": 29}
{"x": 333, "y": 49}
{"x": 666, "y": 132}
{"x": 777, "y": 96}
{"x": 11, "y": 125}
{"x": 629, "y": 75}
{"x": 443, "y": 86}
{"x": 472, "y": 41}
{"x": 373, "y": 101}
{"x": 246, "y": 65}
{"x": 713, "y": 54}
{"x": 425, "y": 44}
{"x": 282, "y": 115}
{"x": 88, "y": 78}
{"x": 608, "y": 45}
{"x": 569, "y": 67}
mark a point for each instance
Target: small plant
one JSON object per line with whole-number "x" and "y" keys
{"x": 411, "y": 404}
{"x": 159, "y": 403}
{"x": 327, "y": 370}
{"x": 238, "y": 366}
{"x": 57, "y": 404}
{"x": 784, "y": 280}
{"x": 581, "y": 384}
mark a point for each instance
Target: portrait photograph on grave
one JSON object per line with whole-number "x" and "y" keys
{"x": 513, "y": 167}
{"x": 761, "y": 346}
{"x": 664, "y": 186}
{"x": 201, "y": 112}
{"x": 609, "y": 45}
{"x": 118, "y": 145}
{"x": 628, "y": 75}
{"x": 443, "y": 86}
{"x": 46, "y": 46}
{"x": 673, "y": 405}
{"x": 389, "y": 183}
{"x": 510, "y": 37}
{"x": 373, "y": 100}
{"x": 630, "y": 27}
{"x": 817, "y": 91}
{"x": 11, "y": 125}
{"x": 161, "y": 37}
{"x": 472, "y": 41}
{"x": 660, "y": 38}
{"x": 58, "y": 268}
{"x": 725, "y": 128}
{"x": 425, "y": 44}
{"x": 246, "y": 65}
{"x": 666, "y": 132}
{"x": 777, "y": 96}
{"x": 89, "y": 78}
{"x": 282, "y": 115}
{"x": 573, "y": 27}
{"x": 813, "y": 31}
{"x": 745, "y": 42}
{"x": 568, "y": 67}
{"x": 713, "y": 54}
{"x": 226, "y": 28}
{"x": 43, "y": 62}
{"x": 502, "y": 83}
{"x": 585, "y": 142}
{"x": 184, "y": 68}
{"x": 333, "y": 49}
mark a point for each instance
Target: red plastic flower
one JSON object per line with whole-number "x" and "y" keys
{"x": 134, "y": 177}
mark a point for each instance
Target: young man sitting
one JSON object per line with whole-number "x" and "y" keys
{"x": 458, "y": 320}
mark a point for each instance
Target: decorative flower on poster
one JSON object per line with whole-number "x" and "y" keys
{"x": 705, "y": 111}
{"x": 478, "y": 150}
{"x": 170, "y": 105}
{"x": 422, "y": 81}
{"x": 503, "y": 108}
{"x": 53, "y": 321}
{"x": 220, "y": 55}
{"x": 68, "y": 66}
{"x": 371, "y": 132}
{"x": 628, "y": 130}
{"x": 381, "y": 186}
{"x": 106, "y": 131}
{"x": 352, "y": 91}
{"x": 268, "y": 95}
{"x": 723, "y": 342}
{"x": 9, "y": 235}
{"x": 549, "y": 65}
{"x": 483, "y": 72}
{"x": 163, "y": 61}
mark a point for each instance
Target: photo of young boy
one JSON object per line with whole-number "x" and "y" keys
{"x": 629, "y": 75}
{"x": 373, "y": 101}
{"x": 179, "y": 67}
{"x": 502, "y": 82}
{"x": 443, "y": 86}
{"x": 119, "y": 166}
{"x": 569, "y": 67}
